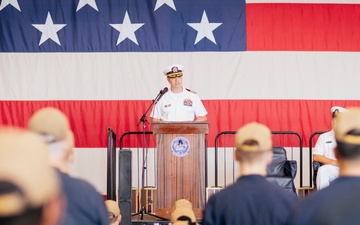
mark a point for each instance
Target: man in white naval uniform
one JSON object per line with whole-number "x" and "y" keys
{"x": 178, "y": 104}
{"x": 324, "y": 153}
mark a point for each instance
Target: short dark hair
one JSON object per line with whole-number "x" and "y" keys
{"x": 335, "y": 113}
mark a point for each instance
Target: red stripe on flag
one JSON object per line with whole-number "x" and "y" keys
{"x": 303, "y": 27}
{"x": 91, "y": 119}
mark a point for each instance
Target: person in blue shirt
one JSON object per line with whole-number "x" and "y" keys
{"x": 251, "y": 199}
{"x": 85, "y": 205}
{"x": 339, "y": 203}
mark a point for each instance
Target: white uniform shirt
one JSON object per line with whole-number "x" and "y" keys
{"x": 182, "y": 106}
{"x": 325, "y": 145}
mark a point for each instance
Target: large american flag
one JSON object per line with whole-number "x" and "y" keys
{"x": 280, "y": 63}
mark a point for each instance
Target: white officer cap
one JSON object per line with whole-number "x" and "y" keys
{"x": 337, "y": 109}
{"x": 340, "y": 109}
{"x": 174, "y": 71}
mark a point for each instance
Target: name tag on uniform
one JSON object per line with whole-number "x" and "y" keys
{"x": 168, "y": 105}
{"x": 328, "y": 142}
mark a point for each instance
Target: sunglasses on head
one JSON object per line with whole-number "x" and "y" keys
{"x": 173, "y": 75}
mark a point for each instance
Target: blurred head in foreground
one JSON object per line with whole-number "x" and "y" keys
{"x": 54, "y": 128}
{"x": 29, "y": 187}
{"x": 113, "y": 211}
{"x": 253, "y": 146}
{"x": 183, "y": 213}
{"x": 347, "y": 135}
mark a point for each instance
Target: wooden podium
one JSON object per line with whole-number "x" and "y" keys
{"x": 180, "y": 165}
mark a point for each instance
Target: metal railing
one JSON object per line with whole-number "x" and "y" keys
{"x": 289, "y": 141}
{"x": 140, "y": 133}
{"x": 140, "y": 142}
{"x": 310, "y": 154}
{"x": 121, "y": 141}
{"x": 276, "y": 142}
{"x": 282, "y": 141}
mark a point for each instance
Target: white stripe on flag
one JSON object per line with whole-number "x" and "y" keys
{"x": 133, "y": 76}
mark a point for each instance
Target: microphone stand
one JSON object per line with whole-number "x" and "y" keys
{"x": 143, "y": 120}
{"x": 157, "y": 98}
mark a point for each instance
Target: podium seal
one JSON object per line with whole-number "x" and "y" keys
{"x": 180, "y": 147}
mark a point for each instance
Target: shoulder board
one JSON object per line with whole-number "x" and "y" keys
{"x": 194, "y": 92}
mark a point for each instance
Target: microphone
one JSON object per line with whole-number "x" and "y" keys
{"x": 161, "y": 93}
